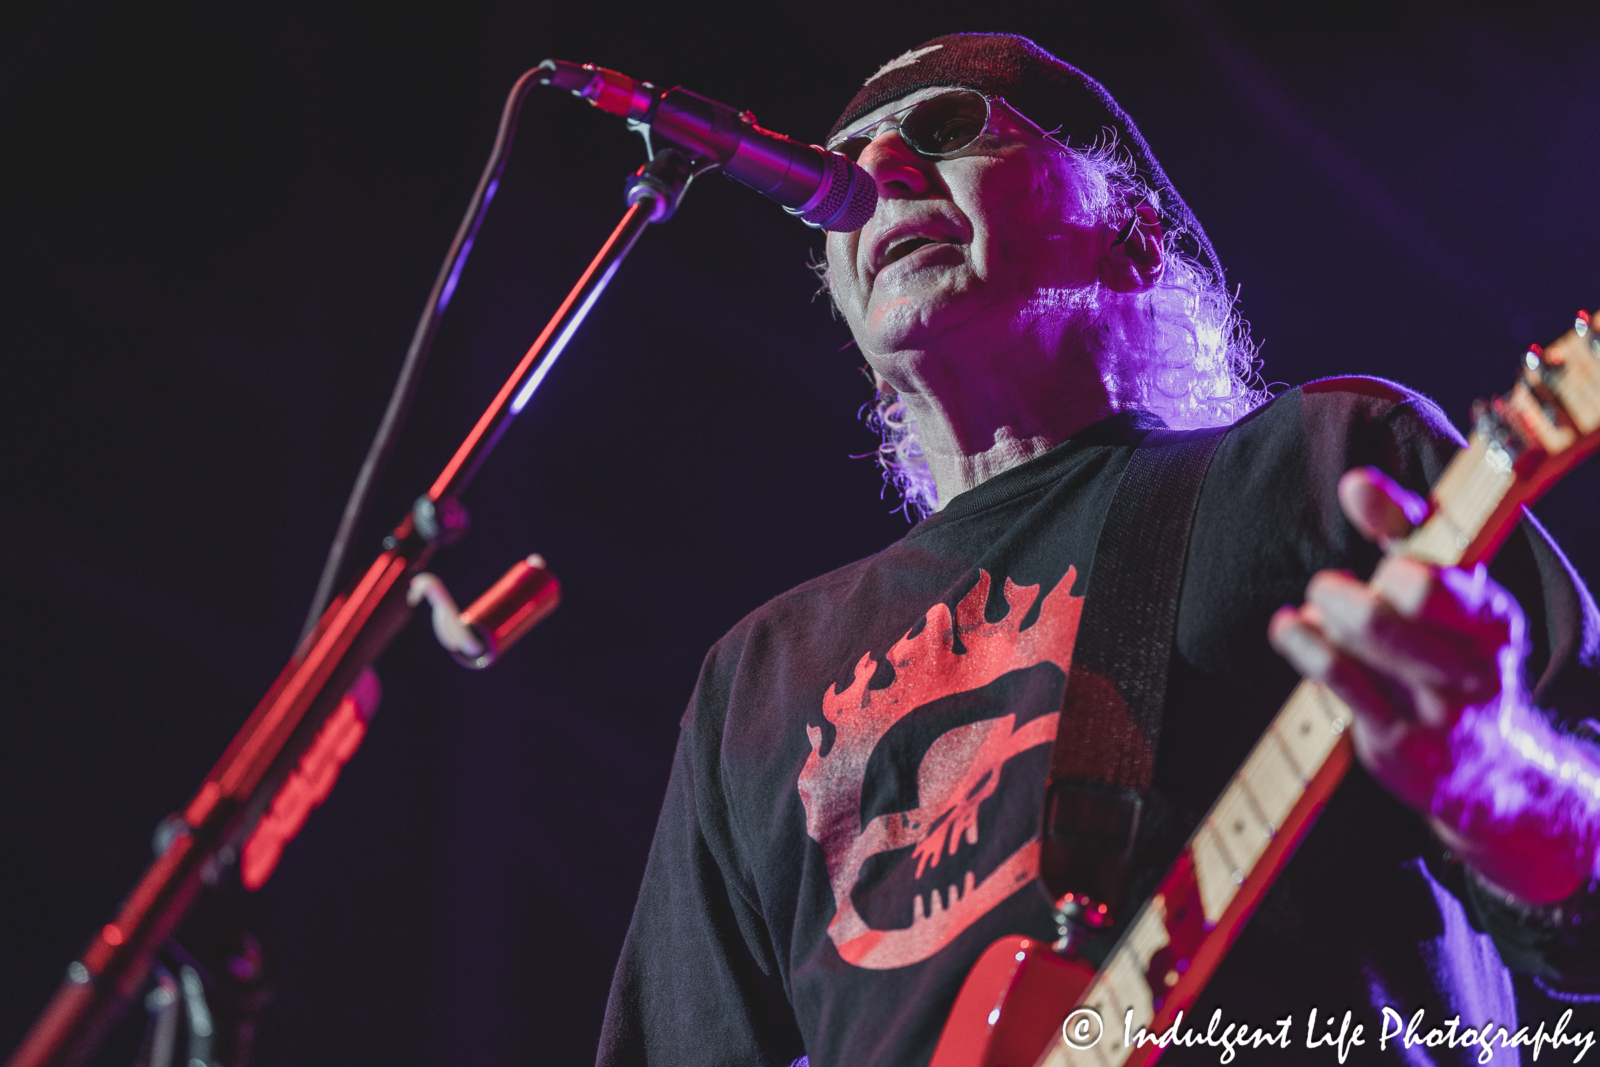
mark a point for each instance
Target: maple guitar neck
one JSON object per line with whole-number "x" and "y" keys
{"x": 1521, "y": 443}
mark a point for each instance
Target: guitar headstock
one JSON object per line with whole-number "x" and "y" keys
{"x": 1522, "y": 441}
{"x": 1552, "y": 414}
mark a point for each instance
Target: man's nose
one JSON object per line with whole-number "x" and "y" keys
{"x": 899, "y": 172}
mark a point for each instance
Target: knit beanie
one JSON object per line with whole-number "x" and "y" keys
{"x": 1058, "y": 97}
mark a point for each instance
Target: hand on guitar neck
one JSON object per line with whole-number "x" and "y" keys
{"x": 1430, "y": 660}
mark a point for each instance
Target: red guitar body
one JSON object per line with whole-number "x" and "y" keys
{"x": 1011, "y": 1005}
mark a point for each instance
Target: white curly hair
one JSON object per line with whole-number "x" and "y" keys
{"x": 1179, "y": 350}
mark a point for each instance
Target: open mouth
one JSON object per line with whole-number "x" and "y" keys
{"x": 905, "y": 241}
{"x": 901, "y": 249}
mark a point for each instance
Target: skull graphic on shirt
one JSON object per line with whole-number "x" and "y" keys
{"x": 952, "y": 658}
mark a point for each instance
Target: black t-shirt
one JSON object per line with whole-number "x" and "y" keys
{"x": 853, "y": 812}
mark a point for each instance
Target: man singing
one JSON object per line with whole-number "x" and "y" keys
{"x": 854, "y": 812}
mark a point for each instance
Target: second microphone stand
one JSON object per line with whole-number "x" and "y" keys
{"x": 354, "y": 630}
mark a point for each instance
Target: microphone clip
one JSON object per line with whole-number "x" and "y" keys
{"x": 664, "y": 179}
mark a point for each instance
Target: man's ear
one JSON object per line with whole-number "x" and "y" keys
{"x": 1131, "y": 260}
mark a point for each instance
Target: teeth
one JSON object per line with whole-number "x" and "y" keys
{"x": 902, "y": 247}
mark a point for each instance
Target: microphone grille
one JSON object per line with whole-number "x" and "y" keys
{"x": 850, "y": 196}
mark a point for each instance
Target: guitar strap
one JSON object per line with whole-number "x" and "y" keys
{"x": 1104, "y": 756}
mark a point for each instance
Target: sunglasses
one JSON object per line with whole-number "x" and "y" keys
{"x": 939, "y": 127}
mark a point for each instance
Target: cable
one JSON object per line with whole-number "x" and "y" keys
{"x": 405, "y": 387}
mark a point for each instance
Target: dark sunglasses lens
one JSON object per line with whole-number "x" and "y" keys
{"x": 945, "y": 123}
{"x": 853, "y": 147}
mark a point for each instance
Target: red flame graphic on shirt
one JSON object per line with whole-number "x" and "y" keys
{"x": 960, "y": 770}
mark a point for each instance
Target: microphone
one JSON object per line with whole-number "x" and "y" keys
{"x": 826, "y": 190}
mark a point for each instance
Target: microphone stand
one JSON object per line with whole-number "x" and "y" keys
{"x": 354, "y": 630}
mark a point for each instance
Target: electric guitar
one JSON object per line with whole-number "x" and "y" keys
{"x": 1024, "y": 1004}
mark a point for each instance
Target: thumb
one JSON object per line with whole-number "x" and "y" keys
{"x": 1378, "y": 507}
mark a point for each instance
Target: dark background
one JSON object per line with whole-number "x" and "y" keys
{"x": 219, "y": 223}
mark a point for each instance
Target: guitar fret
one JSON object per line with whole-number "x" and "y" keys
{"x": 1463, "y": 500}
{"x": 1107, "y": 1055}
{"x": 1436, "y": 544}
{"x": 1338, "y": 712}
{"x": 1100, "y": 1052}
{"x": 1275, "y": 782}
{"x": 1264, "y": 822}
{"x": 1063, "y": 1055}
{"x": 1130, "y": 990}
{"x": 1275, "y": 732}
{"x": 1238, "y": 828}
{"x": 1128, "y": 984}
{"x": 1306, "y": 729}
{"x": 1213, "y": 871}
{"x": 1147, "y": 936}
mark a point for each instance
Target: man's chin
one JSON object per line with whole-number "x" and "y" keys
{"x": 913, "y": 320}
